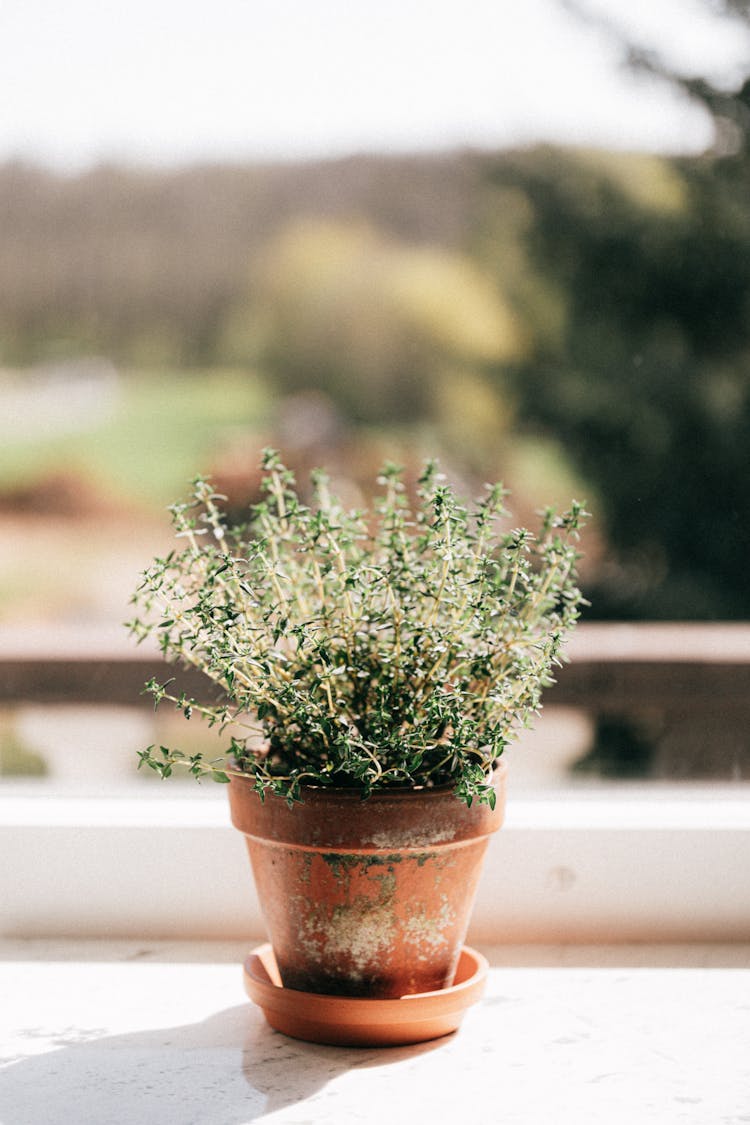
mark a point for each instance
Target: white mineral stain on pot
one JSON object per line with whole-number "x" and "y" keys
{"x": 360, "y": 934}
{"x": 364, "y": 931}
{"x": 412, "y": 838}
{"x": 360, "y": 931}
{"x": 423, "y": 929}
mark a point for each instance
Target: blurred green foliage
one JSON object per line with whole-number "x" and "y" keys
{"x": 548, "y": 312}
{"x": 646, "y": 379}
{"x": 379, "y": 324}
{"x": 16, "y": 758}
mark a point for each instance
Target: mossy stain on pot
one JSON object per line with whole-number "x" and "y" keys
{"x": 304, "y": 874}
{"x": 343, "y": 866}
{"x": 344, "y": 861}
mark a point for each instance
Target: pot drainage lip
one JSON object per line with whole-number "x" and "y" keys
{"x": 361, "y": 1021}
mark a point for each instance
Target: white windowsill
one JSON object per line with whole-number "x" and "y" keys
{"x": 136, "y": 1032}
{"x": 717, "y": 808}
{"x": 564, "y": 868}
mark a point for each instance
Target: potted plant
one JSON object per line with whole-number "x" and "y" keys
{"x": 370, "y": 670}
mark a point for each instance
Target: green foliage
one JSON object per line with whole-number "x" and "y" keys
{"x": 402, "y": 646}
{"x": 646, "y": 380}
{"x": 17, "y": 759}
{"x": 589, "y": 303}
{"x": 371, "y": 321}
{"x": 622, "y": 748}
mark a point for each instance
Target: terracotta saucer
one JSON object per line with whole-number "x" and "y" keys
{"x": 349, "y": 1021}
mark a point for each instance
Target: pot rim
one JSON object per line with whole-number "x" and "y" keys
{"x": 353, "y": 793}
{"x": 335, "y": 819}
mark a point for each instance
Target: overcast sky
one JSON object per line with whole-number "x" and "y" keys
{"x": 170, "y": 81}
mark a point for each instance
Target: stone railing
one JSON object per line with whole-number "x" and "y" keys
{"x": 686, "y": 685}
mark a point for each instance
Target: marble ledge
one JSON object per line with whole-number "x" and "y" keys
{"x": 113, "y": 1033}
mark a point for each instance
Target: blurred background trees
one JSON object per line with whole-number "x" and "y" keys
{"x": 568, "y": 319}
{"x": 645, "y": 380}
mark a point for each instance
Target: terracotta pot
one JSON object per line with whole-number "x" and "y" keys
{"x": 366, "y": 898}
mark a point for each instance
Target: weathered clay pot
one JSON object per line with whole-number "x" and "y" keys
{"x": 366, "y": 898}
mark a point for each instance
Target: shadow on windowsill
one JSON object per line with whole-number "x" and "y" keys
{"x": 227, "y": 1070}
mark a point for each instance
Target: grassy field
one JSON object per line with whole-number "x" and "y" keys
{"x": 165, "y": 428}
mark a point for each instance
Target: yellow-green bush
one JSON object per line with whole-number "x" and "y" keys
{"x": 378, "y": 324}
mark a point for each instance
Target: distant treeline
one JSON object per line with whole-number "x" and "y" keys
{"x": 603, "y": 300}
{"x": 147, "y": 265}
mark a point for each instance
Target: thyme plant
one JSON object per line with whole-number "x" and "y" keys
{"x": 396, "y": 647}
